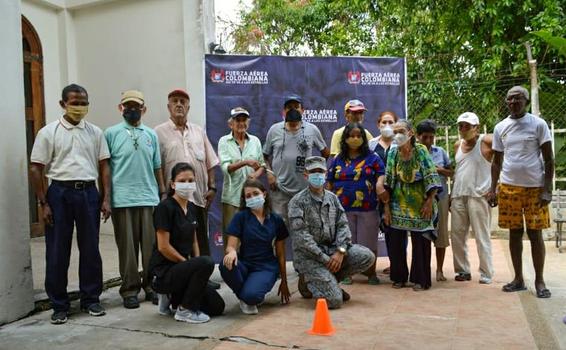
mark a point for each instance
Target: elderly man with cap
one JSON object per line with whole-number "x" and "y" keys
{"x": 241, "y": 158}
{"x": 183, "y": 141}
{"x": 354, "y": 113}
{"x": 322, "y": 242}
{"x": 469, "y": 206}
{"x": 287, "y": 145}
{"x": 523, "y": 165}
{"x": 136, "y": 182}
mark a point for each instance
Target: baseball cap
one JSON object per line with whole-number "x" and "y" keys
{"x": 293, "y": 116}
{"x": 177, "y": 92}
{"x": 132, "y": 95}
{"x": 354, "y": 106}
{"x": 516, "y": 90}
{"x": 315, "y": 162}
{"x": 239, "y": 111}
{"x": 292, "y": 97}
{"x": 469, "y": 117}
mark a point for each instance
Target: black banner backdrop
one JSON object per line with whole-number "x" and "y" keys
{"x": 260, "y": 84}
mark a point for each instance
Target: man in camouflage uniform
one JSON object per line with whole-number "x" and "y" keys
{"x": 322, "y": 244}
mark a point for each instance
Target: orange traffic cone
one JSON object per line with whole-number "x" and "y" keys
{"x": 322, "y": 325}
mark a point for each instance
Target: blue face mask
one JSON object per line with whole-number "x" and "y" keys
{"x": 317, "y": 179}
{"x": 255, "y": 202}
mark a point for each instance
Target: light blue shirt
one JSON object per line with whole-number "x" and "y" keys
{"x": 229, "y": 152}
{"x": 441, "y": 159}
{"x": 134, "y": 157}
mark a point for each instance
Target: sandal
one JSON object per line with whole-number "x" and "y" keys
{"x": 440, "y": 276}
{"x": 514, "y": 287}
{"x": 373, "y": 280}
{"x": 543, "y": 293}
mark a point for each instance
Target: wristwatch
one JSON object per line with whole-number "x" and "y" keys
{"x": 342, "y": 250}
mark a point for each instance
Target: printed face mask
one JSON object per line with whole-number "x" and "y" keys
{"x": 184, "y": 189}
{"x": 255, "y": 202}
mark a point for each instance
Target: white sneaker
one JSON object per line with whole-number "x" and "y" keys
{"x": 189, "y": 316}
{"x": 248, "y": 309}
{"x": 485, "y": 280}
{"x": 164, "y": 304}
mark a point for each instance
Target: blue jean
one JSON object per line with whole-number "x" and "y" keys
{"x": 250, "y": 284}
{"x": 72, "y": 207}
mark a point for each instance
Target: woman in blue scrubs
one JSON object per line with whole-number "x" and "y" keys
{"x": 252, "y": 271}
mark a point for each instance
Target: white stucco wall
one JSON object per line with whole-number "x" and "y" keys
{"x": 45, "y": 20}
{"x": 129, "y": 44}
{"x": 16, "y": 290}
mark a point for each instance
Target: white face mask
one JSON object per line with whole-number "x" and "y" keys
{"x": 387, "y": 132}
{"x": 401, "y": 139}
{"x": 184, "y": 189}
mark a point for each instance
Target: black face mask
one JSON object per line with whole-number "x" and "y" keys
{"x": 132, "y": 116}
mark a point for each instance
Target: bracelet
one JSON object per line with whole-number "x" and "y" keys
{"x": 212, "y": 189}
{"x": 270, "y": 171}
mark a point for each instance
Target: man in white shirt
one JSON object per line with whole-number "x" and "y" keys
{"x": 72, "y": 154}
{"x": 525, "y": 184}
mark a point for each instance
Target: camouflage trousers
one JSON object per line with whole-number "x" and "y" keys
{"x": 324, "y": 284}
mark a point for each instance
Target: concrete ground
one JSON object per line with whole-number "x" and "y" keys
{"x": 451, "y": 315}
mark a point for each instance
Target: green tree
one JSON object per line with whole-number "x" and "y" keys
{"x": 461, "y": 54}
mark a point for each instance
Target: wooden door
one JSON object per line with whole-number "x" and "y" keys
{"x": 35, "y": 111}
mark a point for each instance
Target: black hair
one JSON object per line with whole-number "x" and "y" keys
{"x": 364, "y": 148}
{"x": 72, "y": 88}
{"x": 426, "y": 125}
{"x": 260, "y": 185}
{"x": 177, "y": 169}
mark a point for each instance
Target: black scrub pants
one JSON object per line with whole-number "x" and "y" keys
{"x": 186, "y": 282}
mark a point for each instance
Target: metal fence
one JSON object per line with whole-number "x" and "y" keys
{"x": 491, "y": 108}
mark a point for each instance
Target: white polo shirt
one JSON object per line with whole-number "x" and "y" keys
{"x": 70, "y": 152}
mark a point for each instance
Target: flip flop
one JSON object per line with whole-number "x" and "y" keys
{"x": 512, "y": 287}
{"x": 543, "y": 293}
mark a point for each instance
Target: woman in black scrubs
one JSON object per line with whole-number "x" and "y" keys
{"x": 174, "y": 272}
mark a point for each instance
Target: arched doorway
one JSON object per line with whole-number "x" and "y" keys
{"x": 35, "y": 111}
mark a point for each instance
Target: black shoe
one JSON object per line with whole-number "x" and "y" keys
{"x": 59, "y": 317}
{"x": 345, "y": 295}
{"x": 151, "y": 296}
{"x": 305, "y": 292}
{"x": 131, "y": 302}
{"x": 213, "y": 284}
{"x": 94, "y": 309}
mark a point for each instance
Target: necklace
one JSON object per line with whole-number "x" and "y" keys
{"x": 134, "y": 137}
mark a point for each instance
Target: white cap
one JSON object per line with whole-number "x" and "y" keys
{"x": 469, "y": 117}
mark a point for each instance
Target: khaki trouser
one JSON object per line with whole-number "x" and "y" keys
{"x": 133, "y": 231}
{"x": 471, "y": 212}
{"x": 228, "y": 212}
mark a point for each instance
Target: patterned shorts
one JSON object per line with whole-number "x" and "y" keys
{"x": 516, "y": 202}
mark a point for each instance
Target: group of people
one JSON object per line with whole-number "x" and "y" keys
{"x": 158, "y": 184}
